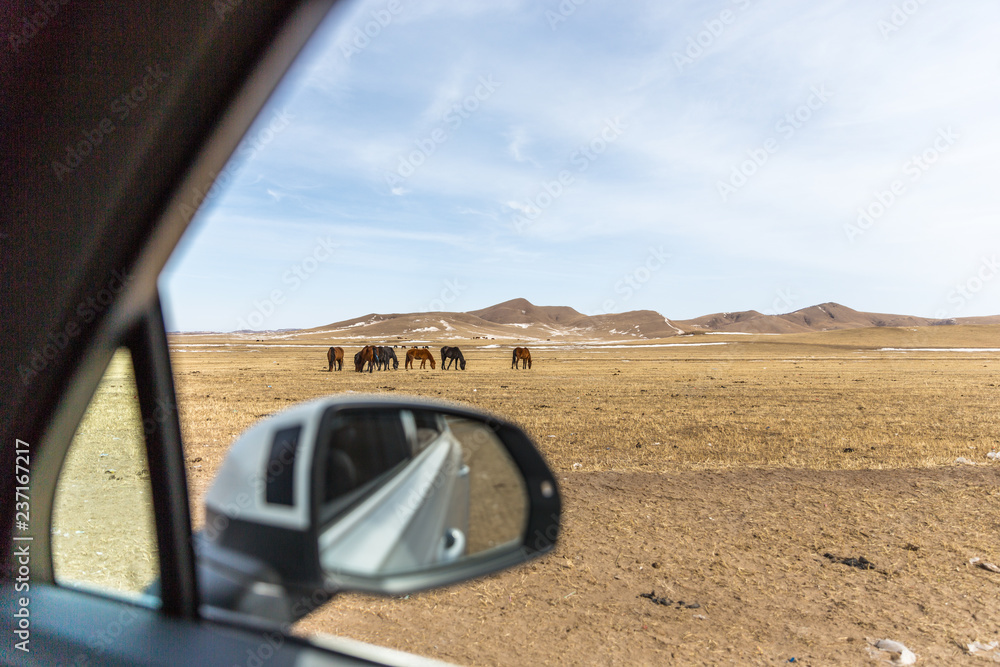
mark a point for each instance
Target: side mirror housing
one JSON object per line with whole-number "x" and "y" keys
{"x": 368, "y": 494}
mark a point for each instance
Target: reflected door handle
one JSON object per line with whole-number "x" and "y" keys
{"x": 452, "y": 545}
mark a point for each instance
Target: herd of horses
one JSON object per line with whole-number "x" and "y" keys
{"x": 372, "y": 356}
{"x": 378, "y": 357}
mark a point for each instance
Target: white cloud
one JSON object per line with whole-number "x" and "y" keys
{"x": 359, "y": 119}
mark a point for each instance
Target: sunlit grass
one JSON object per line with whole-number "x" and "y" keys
{"x": 763, "y": 403}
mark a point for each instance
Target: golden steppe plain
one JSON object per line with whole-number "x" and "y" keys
{"x": 710, "y": 401}
{"x": 716, "y": 470}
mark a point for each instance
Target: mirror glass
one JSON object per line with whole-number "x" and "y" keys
{"x": 401, "y": 491}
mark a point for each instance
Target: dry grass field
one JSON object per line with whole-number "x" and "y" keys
{"x": 713, "y": 470}
{"x": 103, "y": 529}
{"x": 816, "y": 401}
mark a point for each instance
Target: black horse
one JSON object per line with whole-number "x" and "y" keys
{"x": 449, "y": 354}
{"x": 383, "y": 355}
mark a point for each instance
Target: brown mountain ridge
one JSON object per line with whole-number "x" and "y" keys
{"x": 822, "y": 317}
{"x": 522, "y": 320}
{"x": 514, "y": 319}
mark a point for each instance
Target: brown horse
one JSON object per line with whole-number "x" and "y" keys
{"x": 365, "y": 356}
{"x": 335, "y": 355}
{"x": 521, "y": 354}
{"x": 420, "y": 353}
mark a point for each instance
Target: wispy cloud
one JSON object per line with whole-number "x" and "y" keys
{"x": 747, "y": 89}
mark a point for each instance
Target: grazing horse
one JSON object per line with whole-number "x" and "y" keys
{"x": 365, "y": 356}
{"x": 420, "y": 353}
{"x": 383, "y": 355}
{"x": 449, "y": 354}
{"x": 521, "y": 354}
{"x": 335, "y": 356}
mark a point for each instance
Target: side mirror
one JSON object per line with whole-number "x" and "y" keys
{"x": 372, "y": 495}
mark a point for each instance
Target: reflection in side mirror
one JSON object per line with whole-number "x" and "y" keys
{"x": 370, "y": 495}
{"x": 457, "y": 494}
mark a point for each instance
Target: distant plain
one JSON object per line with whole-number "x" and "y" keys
{"x": 716, "y": 468}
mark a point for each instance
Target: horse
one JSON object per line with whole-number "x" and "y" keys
{"x": 521, "y": 354}
{"x": 365, "y": 356}
{"x": 383, "y": 355}
{"x": 335, "y": 356}
{"x": 422, "y": 354}
{"x": 449, "y": 354}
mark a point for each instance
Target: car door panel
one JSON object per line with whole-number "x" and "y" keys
{"x": 71, "y": 627}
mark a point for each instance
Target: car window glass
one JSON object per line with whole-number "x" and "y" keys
{"x": 103, "y": 526}
{"x": 360, "y": 446}
{"x": 428, "y": 427}
{"x": 698, "y": 183}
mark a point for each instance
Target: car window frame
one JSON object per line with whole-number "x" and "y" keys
{"x": 140, "y": 201}
{"x": 143, "y": 236}
{"x": 146, "y": 343}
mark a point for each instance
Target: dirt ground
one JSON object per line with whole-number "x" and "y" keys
{"x": 711, "y": 494}
{"x": 739, "y": 557}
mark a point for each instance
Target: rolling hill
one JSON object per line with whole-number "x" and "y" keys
{"x": 517, "y": 319}
{"x": 521, "y": 320}
{"x": 823, "y": 317}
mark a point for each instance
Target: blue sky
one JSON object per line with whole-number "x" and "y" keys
{"x": 688, "y": 158}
